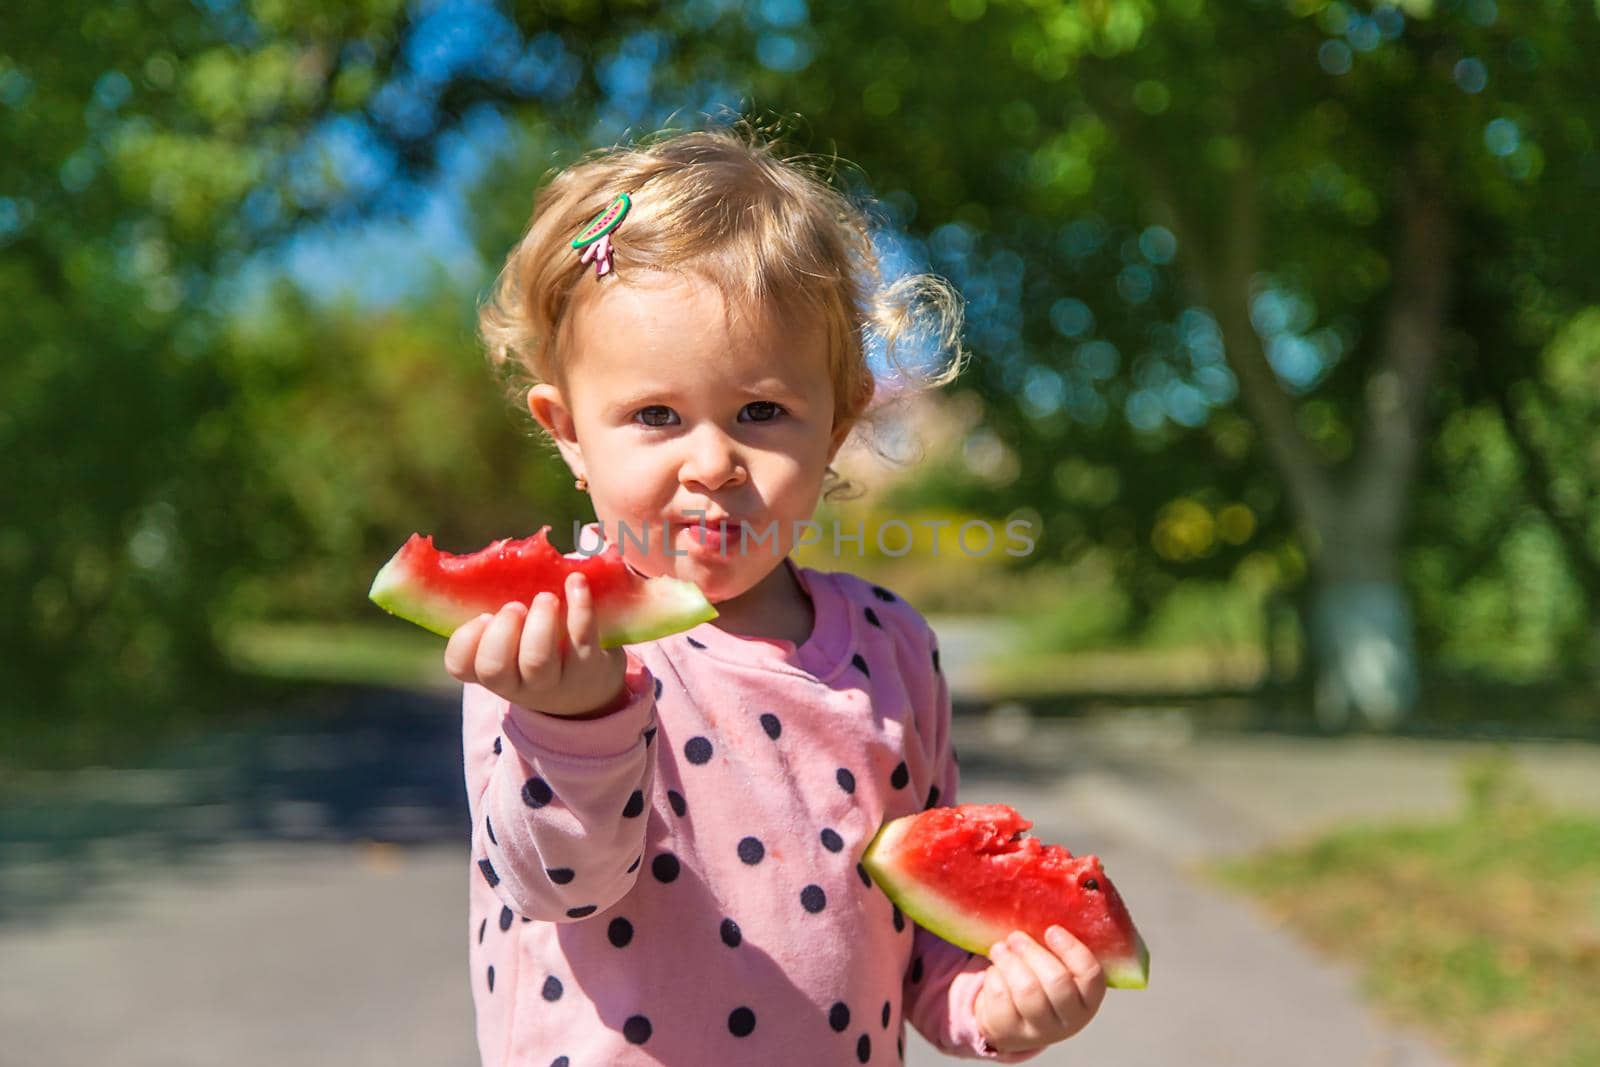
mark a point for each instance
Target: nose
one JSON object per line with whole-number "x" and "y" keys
{"x": 711, "y": 462}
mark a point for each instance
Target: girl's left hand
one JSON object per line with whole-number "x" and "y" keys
{"x": 1034, "y": 996}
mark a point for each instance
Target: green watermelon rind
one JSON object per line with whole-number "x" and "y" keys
{"x": 946, "y": 920}
{"x": 621, "y": 204}
{"x": 670, "y": 606}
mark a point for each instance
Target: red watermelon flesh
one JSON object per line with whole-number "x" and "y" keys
{"x": 439, "y": 591}
{"x": 967, "y": 874}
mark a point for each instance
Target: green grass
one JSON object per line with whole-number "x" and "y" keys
{"x": 383, "y": 653}
{"x": 1484, "y": 929}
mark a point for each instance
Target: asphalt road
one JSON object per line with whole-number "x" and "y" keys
{"x": 294, "y": 895}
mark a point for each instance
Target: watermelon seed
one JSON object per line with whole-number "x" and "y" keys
{"x": 1091, "y": 884}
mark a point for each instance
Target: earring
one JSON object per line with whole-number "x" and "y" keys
{"x": 582, "y": 484}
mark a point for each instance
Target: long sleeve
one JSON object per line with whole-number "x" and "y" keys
{"x": 942, "y": 985}
{"x": 559, "y": 805}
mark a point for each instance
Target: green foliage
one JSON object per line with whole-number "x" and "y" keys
{"x": 187, "y": 462}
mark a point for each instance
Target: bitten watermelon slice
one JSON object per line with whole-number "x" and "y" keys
{"x": 967, "y": 874}
{"x": 439, "y": 591}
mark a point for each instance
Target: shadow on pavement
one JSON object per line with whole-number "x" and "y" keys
{"x": 372, "y": 764}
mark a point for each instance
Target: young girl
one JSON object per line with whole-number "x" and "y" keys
{"x": 666, "y": 836}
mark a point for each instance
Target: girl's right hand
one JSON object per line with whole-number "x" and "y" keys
{"x": 528, "y": 655}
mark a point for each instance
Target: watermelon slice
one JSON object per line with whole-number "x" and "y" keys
{"x": 967, "y": 874}
{"x": 439, "y": 591}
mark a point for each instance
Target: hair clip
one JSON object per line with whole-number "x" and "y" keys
{"x": 594, "y": 240}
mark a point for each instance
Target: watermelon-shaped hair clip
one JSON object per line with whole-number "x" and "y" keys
{"x": 594, "y": 240}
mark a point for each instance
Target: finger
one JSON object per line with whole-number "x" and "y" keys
{"x": 538, "y": 660}
{"x": 462, "y": 648}
{"x": 1084, "y": 965}
{"x": 1001, "y": 1009}
{"x": 583, "y": 626}
{"x": 1034, "y": 1014}
{"x": 1061, "y": 993}
{"x": 497, "y": 652}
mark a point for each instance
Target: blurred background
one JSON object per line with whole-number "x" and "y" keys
{"x": 1285, "y": 335}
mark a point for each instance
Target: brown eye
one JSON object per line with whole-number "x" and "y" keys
{"x": 656, "y": 415}
{"x": 763, "y": 410}
{"x": 1091, "y": 884}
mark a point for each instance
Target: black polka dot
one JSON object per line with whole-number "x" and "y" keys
{"x": 751, "y": 850}
{"x": 846, "y": 780}
{"x": 883, "y": 594}
{"x": 560, "y": 1061}
{"x": 864, "y": 1049}
{"x": 650, "y": 735}
{"x": 886, "y": 1015}
{"x": 507, "y": 916}
{"x": 899, "y": 919}
{"x": 832, "y": 841}
{"x": 730, "y": 933}
{"x": 936, "y": 659}
{"x": 527, "y": 918}
{"x": 634, "y": 866}
{"x": 675, "y": 798}
{"x": 693, "y": 643}
{"x": 536, "y": 792}
{"x": 620, "y": 932}
{"x": 488, "y": 873}
{"x": 497, "y": 746}
{"x": 584, "y": 912}
{"x": 634, "y": 806}
{"x": 491, "y": 978}
{"x": 872, "y": 617}
{"x": 559, "y": 875}
{"x": 489, "y": 826}
{"x": 866, "y": 879}
{"x": 481, "y": 928}
{"x": 552, "y": 989}
{"x": 933, "y": 796}
{"x": 637, "y": 1029}
{"x": 900, "y": 776}
{"x": 658, "y": 688}
{"x": 664, "y": 867}
{"x": 916, "y": 969}
{"x": 697, "y": 750}
{"x": 741, "y": 1022}
{"x": 813, "y": 899}
{"x": 839, "y": 1016}
{"x": 860, "y": 664}
{"x": 900, "y": 1047}
{"x": 770, "y": 723}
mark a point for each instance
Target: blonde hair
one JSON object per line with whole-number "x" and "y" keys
{"x": 769, "y": 231}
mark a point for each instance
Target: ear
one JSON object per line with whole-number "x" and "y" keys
{"x": 549, "y": 409}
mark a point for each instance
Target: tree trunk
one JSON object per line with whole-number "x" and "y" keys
{"x": 1359, "y": 624}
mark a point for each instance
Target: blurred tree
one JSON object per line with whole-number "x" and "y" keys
{"x": 1331, "y": 197}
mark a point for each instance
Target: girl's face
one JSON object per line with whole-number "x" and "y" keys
{"x": 677, "y": 407}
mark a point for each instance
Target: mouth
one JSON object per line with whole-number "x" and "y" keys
{"x": 712, "y": 532}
